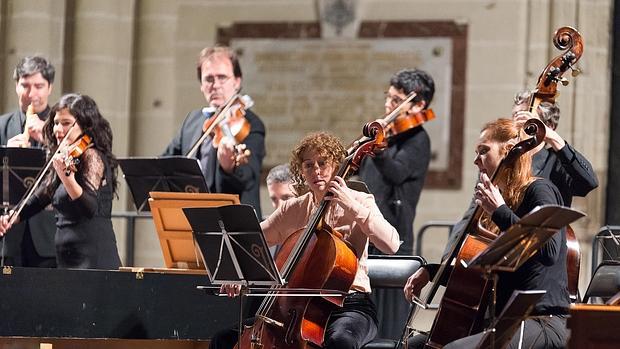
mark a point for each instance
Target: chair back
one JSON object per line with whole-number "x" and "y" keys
{"x": 392, "y": 271}
{"x": 605, "y": 282}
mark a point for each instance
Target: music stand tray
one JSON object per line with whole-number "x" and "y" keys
{"x": 523, "y": 239}
{"x": 517, "y": 309}
{"x": 173, "y": 229}
{"x": 232, "y": 245}
{"x": 163, "y": 174}
{"x": 20, "y": 167}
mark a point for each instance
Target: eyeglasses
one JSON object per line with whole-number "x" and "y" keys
{"x": 395, "y": 101}
{"x": 221, "y": 78}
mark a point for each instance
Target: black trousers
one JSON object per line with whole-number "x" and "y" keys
{"x": 540, "y": 332}
{"x": 351, "y": 326}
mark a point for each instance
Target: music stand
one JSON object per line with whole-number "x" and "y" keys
{"x": 173, "y": 229}
{"x": 521, "y": 241}
{"x": 242, "y": 256}
{"x": 162, "y": 174}
{"x": 517, "y": 309}
{"x": 20, "y": 167}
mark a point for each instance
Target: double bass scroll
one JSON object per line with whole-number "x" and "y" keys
{"x": 570, "y": 40}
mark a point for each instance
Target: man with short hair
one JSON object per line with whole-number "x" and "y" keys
{"x": 30, "y": 243}
{"x": 279, "y": 185}
{"x": 219, "y": 74}
{"x": 555, "y": 159}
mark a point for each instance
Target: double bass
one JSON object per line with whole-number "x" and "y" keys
{"x": 316, "y": 258}
{"x": 462, "y": 307}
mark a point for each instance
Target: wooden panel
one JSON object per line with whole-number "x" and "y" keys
{"x": 173, "y": 229}
{"x": 594, "y": 326}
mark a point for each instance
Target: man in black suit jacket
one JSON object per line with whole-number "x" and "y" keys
{"x": 30, "y": 243}
{"x": 220, "y": 78}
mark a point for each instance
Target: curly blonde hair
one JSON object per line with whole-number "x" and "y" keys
{"x": 513, "y": 179}
{"x": 326, "y": 145}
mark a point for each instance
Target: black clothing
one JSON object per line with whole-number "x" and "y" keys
{"x": 544, "y": 332}
{"x": 396, "y": 177}
{"x": 351, "y": 326}
{"x": 570, "y": 171}
{"x": 546, "y": 270}
{"x": 85, "y": 237}
{"x": 245, "y": 179}
{"x": 31, "y": 242}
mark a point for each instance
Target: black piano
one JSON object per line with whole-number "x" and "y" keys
{"x": 89, "y": 304}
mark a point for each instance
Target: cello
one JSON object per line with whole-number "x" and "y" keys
{"x": 462, "y": 309}
{"x": 315, "y": 258}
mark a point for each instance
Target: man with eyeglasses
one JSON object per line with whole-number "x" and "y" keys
{"x": 396, "y": 177}
{"x": 219, "y": 74}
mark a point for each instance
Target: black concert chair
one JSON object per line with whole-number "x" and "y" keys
{"x": 390, "y": 272}
{"x": 605, "y": 282}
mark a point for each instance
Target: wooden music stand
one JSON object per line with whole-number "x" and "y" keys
{"x": 173, "y": 229}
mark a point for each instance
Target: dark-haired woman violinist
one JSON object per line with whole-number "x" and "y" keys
{"x": 80, "y": 185}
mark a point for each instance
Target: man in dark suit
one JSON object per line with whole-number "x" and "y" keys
{"x": 396, "y": 177}
{"x": 30, "y": 243}
{"x": 220, "y": 78}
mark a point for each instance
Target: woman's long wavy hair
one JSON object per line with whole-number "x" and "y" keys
{"x": 513, "y": 179}
{"x": 326, "y": 145}
{"x": 92, "y": 123}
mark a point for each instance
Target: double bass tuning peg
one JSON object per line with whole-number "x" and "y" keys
{"x": 564, "y": 81}
{"x": 575, "y": 71}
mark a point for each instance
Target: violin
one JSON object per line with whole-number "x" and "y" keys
{"x": 228, "y": 121}
{"x": 387, "y": 120}
{"x": 73, "y": 152}
{"x": 406, "y": 121}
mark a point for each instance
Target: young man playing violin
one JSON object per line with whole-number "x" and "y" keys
{"x": 30, "y": 243}
{"x": 219, "y": 74}
{"x": 355, "y": 215}
{"x": 514, "y": 193}
{"x": 396, "y": 177}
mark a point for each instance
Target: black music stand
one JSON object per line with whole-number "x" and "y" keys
{"x": 20, "y": 167}
{"x": 232, "y": 245}
{"x": 241, "y": 255}
{"x": 167, "y": 174}
{"x": 233, "y": 248}
{"x": 521, "y": 241}
{"x": 517, "y": 309}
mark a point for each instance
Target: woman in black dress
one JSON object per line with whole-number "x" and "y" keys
{"x": 80, "y": 190}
